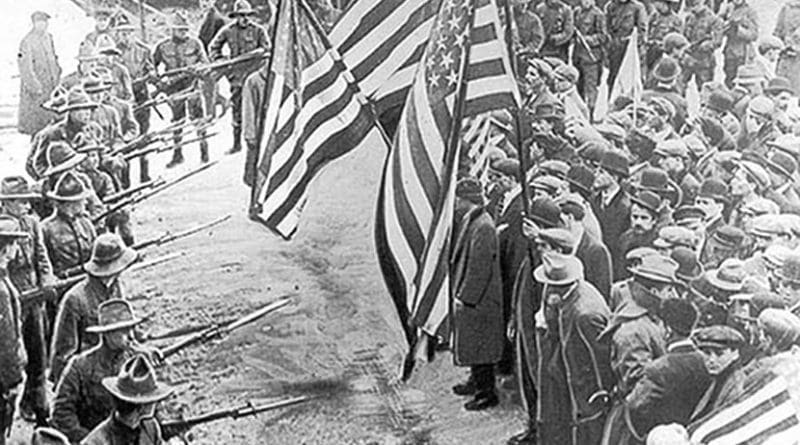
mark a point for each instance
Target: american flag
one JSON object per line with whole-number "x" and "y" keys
{"x": 765, "y": 415}
{"x": 415, "y": 205}
{"x": 315, "y": 114}
{"x": 383, "y": 41}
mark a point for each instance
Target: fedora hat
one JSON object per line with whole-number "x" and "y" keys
{"x": 241, "y": 8}
{"x": 136, "y": 383}
{"x": 16, "y": 187}
{"x": 729, "y": 276}
{"x": 689, "y": 268}
{"x": 656, "y": 268}
{"x": 113, "y": 315}
{"x": 77, "y": 99}
{"x": 714, "y": 189}
{"x": 110, "y": 256}
{"x": 60, "y": 157}
{"x": 581, "y": 177}
{"x": 559, "y": 270}
{"x": 656, "y": 180}
{"x": 615, "y": 162}
{"x": 68, "y": 188}
{"x": 9, "y": 228}
{"x": 545, "y": 212}
{"x": 647, "y": 200}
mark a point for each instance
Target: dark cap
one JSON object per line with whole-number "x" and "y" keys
{"x": 729, "y": 237}
{"x": 714, "y": 189}
{"x": 679, "y": 314}
{"x": 689, "y": 268}
{"x": 545, "y": 212}
{"x": 581, "y": 177}
{"x": 647, "y": 200}
{"x": 687, "y": 213}
{"x": 470, "y": 189}
{"x": 615, "y": 162}
{"x": 718, "y": 337}
{"x": 720, "y": 101}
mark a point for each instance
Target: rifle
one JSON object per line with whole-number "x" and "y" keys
{"x": 139, "y": 198}
{"x": 218, "y": 331}
{"x": 184, "y": 330}
{"x": 166, "y": 97}
{"x": 161, "y": 149}
{"x": 169, "y": 237}
{"x": 133, "y": 190}
{"x": 173, "y": 428}
{"x": 582, "y": 41}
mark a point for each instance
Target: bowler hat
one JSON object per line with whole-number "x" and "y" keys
{"x": 60, "y": 157}
{"x": 755, "y": 173}
{"x": 16, "y": 187}
{"x": 679, "y": 315}
{"x": 729, "y": 276}
{"x": 779, "y": 84}
{"x": 558, "y": 270}
{"x": 647, "y": 200}
{"x": 9, "y": 228}
{"x": 77, "y": 99}
{"x": 764, "y": 300}
{"x": 615, "y": 162}
{"x": 241, "y": 8}
{"x": 720, "y": 101}
{"x": 581, "y": 177}
{"x": 656, "y": 268}
{"x": 718, "y": 337}
{"x": 114, "y": 315}
{"x": 729, "y": 237}
{"x": 68, "y": 188}
{"x": 110, "y": 256}
{"x": 672, "y": 148}
{"x": 136, "y": 383}
{"x": 775, "y": 255}
{"x": 545, "y": 212}
{"x": 714, "y": 189}
{"x": 470, "y": 189}
{"x": 666, "y": 70}
{"x": 782, "y": 163}
{"x": 689, "y": 268}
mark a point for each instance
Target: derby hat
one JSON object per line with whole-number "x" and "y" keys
{"x": 782, "y": 163}
{"x": 775, "y": 255}
{"x": 110, "y": 256}
{"x": 658, "y": 181}
{"x": 559, "y": 270}
{"x": 714, "y": 189}
{"x": 9, "y": 228}
{"x": 674, "y": 236}
{"x": 647, "y": 200}
{"x": 767, "y": 226}
{"x": 615, "y": 162}
{"x": 77, "y": 99}
{"x": 136, "y": 383}
{"x": 666, "y": 70}
{"x": 581, "y": 177}
{"x": 68, "y": 188}
{"x": 592, "y": 151}
{"x": 16, "y": 187}
{"x": 675, "y": 40}
{"x": 60, "y": 157}
{"x": 778, "y": 85}
{"x": 545, "y": 212}
{"x": 718, "y": 337}
{"x": 672, "y": 148}
{"x": 755, "y": 173}
{"x": 656, "y": 268}
{"x": 790, "y": 271}
{"x": 241, "y": 8}
{"x": 729, "y": 276}
{"x": 114, "y": 315}
{"x": 689, "y": 268}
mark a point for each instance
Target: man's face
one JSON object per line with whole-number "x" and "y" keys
{"x": 603, "y": 180}
{"x": 718, "y": 360}
{"x": 710, "y": 207}
{"x": 119, "y": 340}
{"x": 81, "y": 116}
{"x": 243, "y": 20}
{"x": 753, "y": 122}
{"x": 784, "y": 100}
{"x": 125, "y": 36}
{"x": 180, "y": 33}
{"x": 87, "y": 66}
{"x": 642, "y": 221}
{"x": 17, "y": 207}
{"x": 101, "y": 22}
{"x": 70, "y": 209}
{"x": 789, "y": 291}
{"x": 40, "y": 25}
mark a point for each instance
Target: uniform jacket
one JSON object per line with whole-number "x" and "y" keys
{"x": 102, "y": 183}
{"x": 128, "y": 127}
{"x": 39, "y": 74}
{"x": 77, "y": 311}
{"x": 240, "y": 40}
{"x": 62, "y": 130}
{"x": 175, "y": 53}
{"x": 478, "y": 315}
{"x": 591, "y": 23}
{"x": 558, "y": 26}
{"x": 703, "y": 29}
{"x": 596, "y": 263}
{"x": 113, "y": 432}
{"x": 252, "y": 102}
{"x": 741, "y": 33}
{"x": 106, "y": 118}
{"x": 12, "y": 354}
{"x": 788, "y": 20}
{"x": 136, "y": 58}
{"x": 32, "y": 266}
{"x": 81, "y": 402}
{"x": 69, "y": 242}
{"x": 622, "y": 19}
{"x": 572, "y": 366}
{"x": 662, "y": 24}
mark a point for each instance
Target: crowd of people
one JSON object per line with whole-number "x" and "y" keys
{"x": 635, "y": 272}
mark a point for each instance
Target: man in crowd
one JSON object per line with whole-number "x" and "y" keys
{"x": 39, "y": 73}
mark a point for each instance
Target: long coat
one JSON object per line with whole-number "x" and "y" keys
{"x": 572, "y": 365}
{"x": 478, "y": 313}
{"x": 597, "y": 263}
{"x": 39, "y": 74}
{"x": 12, "y": 355}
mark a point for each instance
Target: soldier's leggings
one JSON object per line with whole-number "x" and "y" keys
{"x": 140, "y": 94}
{"x": 236, "y": 105}
{"x": 33, "y": 336}
{"x": 588, "y": 81}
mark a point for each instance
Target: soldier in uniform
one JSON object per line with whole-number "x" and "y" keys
{"x": 741, "y": 31}
{"x": 87, "y": 63}
{"x": 78, "y": 308}
{"x": 102, "y": 26}
{"x": 182, "y": 51}
{"x": 587, "y": 55}
{"x": 623, "y": 17}
{"x": 136, "y": 393}
{"x": 241, "y": 36}
{"x": 662, "y": 22}
{"x": 253, "y": 101}
{"x": 528, "y": 35}
{"x": 31, "y": 269}
{"x": 138, "y": 59}
{"x": 11, "y": 355}
{"x": 558, "y": 26}
{"x": 104, "y": 116}
{"x": 704, "y": 32}
{"x": 109, "y": 53}
{"x": 81, "y": 402}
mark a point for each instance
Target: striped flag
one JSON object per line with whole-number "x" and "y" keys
{"x": 764, "y": 415}
{"x": 416, "y": 201}
{"x": 315, "y": 114}
{"x": 383, "y": 41}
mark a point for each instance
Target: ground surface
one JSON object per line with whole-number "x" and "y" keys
{"x": 339, "y": 340}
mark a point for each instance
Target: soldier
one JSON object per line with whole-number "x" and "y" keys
{"x": 623, "y": 17}
{"x": 558, "y": 26}
{"x": 253, "y": 99}
{"x": 87, "y": 63}
{"x": 788, "y": 20}
{"x": 528, "y": 35}
{"x": 104, "y": 116}
{"x": 704, "y": 32}
{"x": 740, "y": 24}
{"x": 11, "y": 354}
{"x": 78, "y": 308}
{"x": 39, "y": 73}
{"x": 81, "y": 402}
{"x": 136, "y": 394}
{"x": 102, "y": 26}
{"x": 182, "y": 51}
{"x": 31, "y": 269}
{"x": 138, "y": 59}
{"x": 108, "y": 52}
{"x": 663, "y": 21}
{"x": 241, "y": 36}
{"x": 587, "y": 55}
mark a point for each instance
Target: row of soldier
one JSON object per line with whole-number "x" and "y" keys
{"x": 648, "y": 269}
{"x": 85, "y": 129}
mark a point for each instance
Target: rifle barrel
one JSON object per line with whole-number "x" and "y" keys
{"x": 168, "y": 237}
{"x": 131, "y": 191}
{"x": 235, "y": 413}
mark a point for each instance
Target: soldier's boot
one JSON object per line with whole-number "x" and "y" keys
{"x": 144, "y": 169}
{"x": 237, "y": 141}
{"x": 177, "y": 158}
{"x": 204, "y": 152}
{"x": 527, "y": 437}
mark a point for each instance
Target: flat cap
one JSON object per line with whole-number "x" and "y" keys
{"x": 719, "y": 337}
{"x": 729, "y": 237}
{"x": 673, "y": 236}
{"x": 760, "y": 206}
{"x": 767, "y": 226}
{"x": 755, "y": 173}
{"x": 506, "y": 166}
{"x": 672, "y": 147}
{"x": 781, "y": 325}
{"x": 656, "y": 268}
{"x": 714, "y": 189}
{"x": 548, "y": 183}
{"x": 687, "y": 214}
{"x": 689, "y": 268}
{"x": 762, "y": 106}
{"x": 647, "y": 200}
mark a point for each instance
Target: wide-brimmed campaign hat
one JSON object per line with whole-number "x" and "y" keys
{"x": 94, "y": 84}
{"x": 113, "y": 315}
{"x": 16, "y": 187}
{"x": 110, "y": 256}
{"x": 77, "y": 99}
{"x": 121, "y": 22}
{"x": 68, "y": 188}
{"x": 241, "y": 8}
{"x": 136, "y": 383}
{"x": 106, "y": 45}
{"x": 558, "y": 269}
{"x": 60, "y": 157}
{"x": 9, "y": 228}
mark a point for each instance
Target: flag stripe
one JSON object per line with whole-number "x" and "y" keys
{"x": 749, "y": 415}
